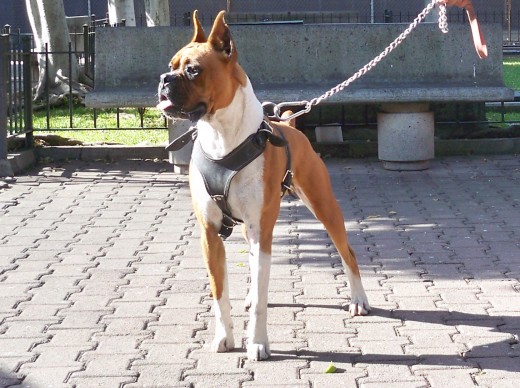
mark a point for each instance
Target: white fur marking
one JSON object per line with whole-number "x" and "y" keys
{"x": 260, "y": 266}
{"x": 223, "y": 340}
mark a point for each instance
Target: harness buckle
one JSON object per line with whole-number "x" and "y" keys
{"x": 287, "y": 182}
{"x": 228, "y": 223}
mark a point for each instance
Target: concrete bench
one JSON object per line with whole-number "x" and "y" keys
{"x": 300, "y": 62}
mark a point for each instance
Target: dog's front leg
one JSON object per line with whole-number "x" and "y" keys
{"x": 260, "y": 267}
{"x": 215, "y": 259}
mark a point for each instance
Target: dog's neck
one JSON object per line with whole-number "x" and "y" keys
{"x": 223, "y": 131}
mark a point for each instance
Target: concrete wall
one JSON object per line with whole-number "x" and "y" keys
{"x": 310, "y": 54}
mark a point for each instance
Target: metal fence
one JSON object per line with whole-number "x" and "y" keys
{"x": 23, "y": 73}
{"x": 15, "y": 94}
{"x": 19, "y": 71}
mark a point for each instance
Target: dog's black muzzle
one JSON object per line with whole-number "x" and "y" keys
{"x": 172, "y": 88}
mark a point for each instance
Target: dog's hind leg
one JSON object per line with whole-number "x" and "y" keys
{"x": 312, "y": 184}
{"x": 215, "y": 259}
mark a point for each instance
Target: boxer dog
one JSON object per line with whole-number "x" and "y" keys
{"x": 207, "y": 85}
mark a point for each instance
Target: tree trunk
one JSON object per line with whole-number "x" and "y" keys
{"x": 121, "y": 9}
{"x": 157, "y": 13}
{"x": 47, "y": 19}
{"x": 57, "y": 71}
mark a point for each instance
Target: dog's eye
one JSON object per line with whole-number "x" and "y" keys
{"x": 192, "y": 71}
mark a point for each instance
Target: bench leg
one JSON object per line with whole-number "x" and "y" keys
{"x": 181, "y": 158}
{"x": 329, "y": 134}
{"x": 405, "y": 136}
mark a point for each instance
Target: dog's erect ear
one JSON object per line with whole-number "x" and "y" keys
{"x": 220, "y": 37}
{"x": 198, "y": 31}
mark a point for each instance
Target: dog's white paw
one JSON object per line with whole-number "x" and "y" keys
{"x": 222, "y": 344}
{"x": 360, "y": 308}
{"x": 359, "y": 304}
{"x": 258, "y": 352}
{"x": 358, "y": 301}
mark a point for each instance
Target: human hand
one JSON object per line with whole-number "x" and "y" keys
{"x": 478, "y": 37}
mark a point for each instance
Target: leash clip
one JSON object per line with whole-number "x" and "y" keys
{"x": 274, "y": 111}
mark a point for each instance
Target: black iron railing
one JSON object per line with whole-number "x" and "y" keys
{"x": 15, "y": 87}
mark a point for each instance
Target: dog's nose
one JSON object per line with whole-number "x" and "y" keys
{"x": 167, "y": 78}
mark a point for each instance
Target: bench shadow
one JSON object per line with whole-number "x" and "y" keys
{"x": 501, "y": 324}
{"x": 131, "y": 171}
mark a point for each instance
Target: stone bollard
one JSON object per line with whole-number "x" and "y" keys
{"x": 405, "y": 134}
{"x": 181, "y": 158}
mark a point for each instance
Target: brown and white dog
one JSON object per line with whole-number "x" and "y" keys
{"x": 206, "y": 84}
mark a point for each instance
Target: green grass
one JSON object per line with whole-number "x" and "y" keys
{"x": 495, "y": 117}
{"x": 512, "y": 80}
{"x": 106, "y": 121}
{"x": 512, "y": 72}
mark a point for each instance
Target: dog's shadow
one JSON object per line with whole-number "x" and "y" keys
{"x": 502, "y": 324}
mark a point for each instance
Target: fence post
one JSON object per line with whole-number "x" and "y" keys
{"x": 92, "y": 48}
{"x": 86, "y": 49}
{"x": 27, "y": 92}
{"x": 5, "y": 165}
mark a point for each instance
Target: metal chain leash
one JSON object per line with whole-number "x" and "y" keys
{"x": 443, "y": 25}
{"x": 443, "y": 18}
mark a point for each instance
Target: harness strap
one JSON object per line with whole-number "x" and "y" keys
{"x": 218, "y": 173}
{"x": 287, "y": 179}
{"x": 182, "y": 140}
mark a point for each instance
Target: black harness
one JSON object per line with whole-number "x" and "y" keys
{"x": 218, "y": 173}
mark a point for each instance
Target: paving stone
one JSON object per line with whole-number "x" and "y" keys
{"x": 269, "y": 374}
{"x": 416, "y": 383}
{"x": 497, "y": 371}
{"x": 107, "y": 364}
{"x": 44, "y": 376}
{"x": 11, "y": 362}
{"x": 219, "y": 380}
{"x": 390, "y": 374}
{"x": 333, "y": 343}
{"x": 102, "y": 279}
{"x": 158, "y": 376}
{"x": 73, "y": 320}
{"x": 449, "y": 377}
{"x": 83, "y": 380}
{"x": 49, "y": 356}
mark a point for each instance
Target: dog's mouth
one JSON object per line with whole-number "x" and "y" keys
{"x": 171, "y": 110}
{"x": 165, "y": 104}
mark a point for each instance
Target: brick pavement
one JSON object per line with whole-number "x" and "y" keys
{"x": 102, "y": 284}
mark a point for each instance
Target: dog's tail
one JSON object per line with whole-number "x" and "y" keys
{"x": 291, "y": 122}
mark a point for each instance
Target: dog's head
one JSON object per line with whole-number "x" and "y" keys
{"x": 204, "y": 75}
